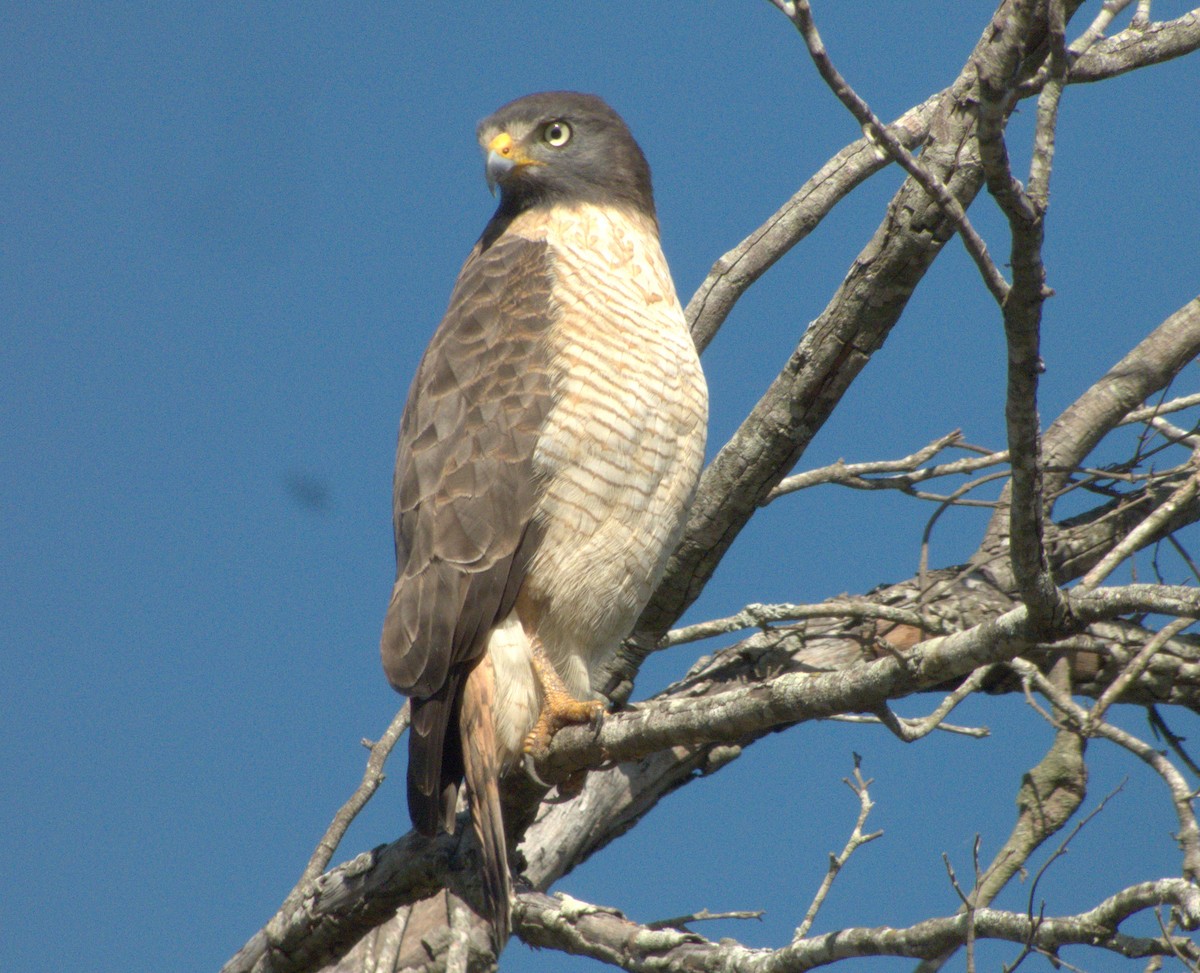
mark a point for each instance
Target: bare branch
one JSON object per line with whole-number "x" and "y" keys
{"x": 678, "y": 922}
{"x": 1022, "y": 307}
{"x": 1181, "y": 795}
{"x": 799, "y": 12}
{"x": 850, "y": 473}
{"x": 737, "y": 714}
{"x": 910, "y": 730}
{"x": 1173, "y": 433}
{"x": 732, "y": 275}
{"x": 837, "y": 862}
{"x": 1141, "y": 535}
{"x": 372, "y": 777}
{"x": 905, "y": 474}
{"x": 1137, "y": 666}
{"x": 1162, "y": 409}
{"x": 343, "y": 904}
{"x": 1139, "y": 46}
{"x": 759, "y": 616}
{"x": 601, "y": 934}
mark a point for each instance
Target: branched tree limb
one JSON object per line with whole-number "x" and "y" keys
{"x": 837, "y": 862}
{"x": 799, "y": 12}
{"x": 372, "y": 778}
{"x": 1139, "y": 46}
{"x": 1022, "y": 305}
{"x": 833, "y": 351}
{"x": 1087, "y": 723}
{"x": 573, "y": 927}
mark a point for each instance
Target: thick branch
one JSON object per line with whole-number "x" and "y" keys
{"x": 1139, "y": 47}
{"x": 604, "y": 934}
{"x": 733, "y": 716}
{"x": 833, "y": 351}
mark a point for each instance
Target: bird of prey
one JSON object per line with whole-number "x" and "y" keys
{"x": 549, "y": 449}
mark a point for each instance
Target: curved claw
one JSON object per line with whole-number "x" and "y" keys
{"x": 531, "y": 769}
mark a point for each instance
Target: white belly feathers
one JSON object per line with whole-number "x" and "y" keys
{"x": 620, "y": 453}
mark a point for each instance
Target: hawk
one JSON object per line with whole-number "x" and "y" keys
{"x": 550, "y": 446}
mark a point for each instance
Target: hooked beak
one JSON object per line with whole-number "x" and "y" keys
{"x": 503, "y": 156}
{"x": 496, "y": 169}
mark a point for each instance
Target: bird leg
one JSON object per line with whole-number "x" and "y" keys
{"x": 559, "y": 707}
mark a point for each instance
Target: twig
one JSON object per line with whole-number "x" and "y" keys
{"x": 1174, "y": 741}
{"x": 372, "y": 778}
{"x": 1188, "y": 963}
{"x": 1138, "y": 537}
{"x": 1050, "y": 793}
{"x": 947, "y": 502}
{"x": 1137, "y": 666}
{"x": 1063, "y": 845}
{"x": 907, "y": 726}
{"x": 1150, "y": 411}
{"x": 1184, "y": 556}
{"x": 968, "y": 908}
{"x": 909, "y": 730}
{"x": 855, "y": 841}
{"x": 1174, "y": 434}
{"x": 760, "y": 616}
{"x": 680, "y": 922}
{"x": 851, "y": 473}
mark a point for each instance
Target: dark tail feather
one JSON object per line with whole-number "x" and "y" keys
{"x": 478, "y": 734}
{"x": 434, "y": 761}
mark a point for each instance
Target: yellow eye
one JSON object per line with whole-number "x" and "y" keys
{"x": 557, "y": 134}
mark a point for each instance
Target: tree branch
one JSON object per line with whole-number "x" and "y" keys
{"x": 1086, "y": 722}
{"x": 832, "y": 353}
{"x": 857, "y": 839}
{"x": 372, "y": 777}
{"x": 602, "y": 934}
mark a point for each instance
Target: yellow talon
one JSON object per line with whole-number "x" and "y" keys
{"x": 559, "y": 707}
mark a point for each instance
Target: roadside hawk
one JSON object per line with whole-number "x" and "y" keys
{"x": 549, "y": 449}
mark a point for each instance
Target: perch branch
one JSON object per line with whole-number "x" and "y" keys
{"x": 573, "y": 927}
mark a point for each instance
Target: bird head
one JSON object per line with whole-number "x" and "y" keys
{"x": 563, "y": 147}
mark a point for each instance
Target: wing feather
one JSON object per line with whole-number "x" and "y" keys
{"x": 464, "y": 493}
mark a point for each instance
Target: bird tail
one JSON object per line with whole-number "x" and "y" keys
{"x": 482, "y": 768}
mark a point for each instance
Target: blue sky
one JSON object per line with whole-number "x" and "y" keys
{"x": 228, "y": 232}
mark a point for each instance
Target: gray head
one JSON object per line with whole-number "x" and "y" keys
{"x": 563, "y": 147}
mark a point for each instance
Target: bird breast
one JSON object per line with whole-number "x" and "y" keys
{"x": 622, "y": 446}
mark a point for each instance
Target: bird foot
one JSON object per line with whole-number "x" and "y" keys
{"x": 559, "y": 710}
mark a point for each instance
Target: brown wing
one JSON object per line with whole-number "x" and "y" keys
{"x": 463, "y": 497}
